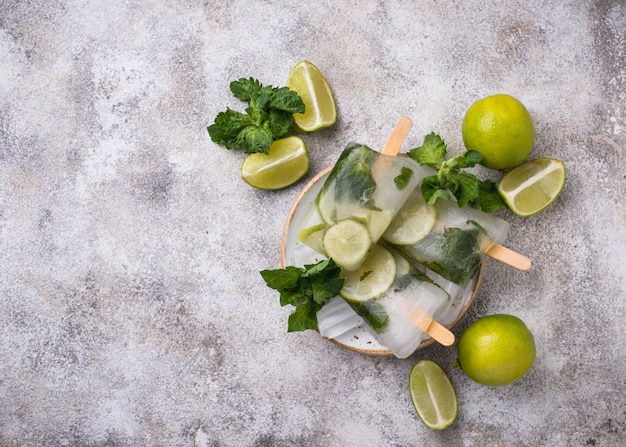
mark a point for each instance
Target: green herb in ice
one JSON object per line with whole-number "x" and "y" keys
{"x": 353, "y": 176}
{"x": 403, "y": 178}
{"x": 308, "y": 289}
{"x": 460, "y": 252}
{"x": 466, "y": 187}
{"x": 373, "y": 312}
{"x": 268, "y": 117}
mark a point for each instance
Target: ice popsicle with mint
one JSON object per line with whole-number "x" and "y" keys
{"x": 449, "y": 240}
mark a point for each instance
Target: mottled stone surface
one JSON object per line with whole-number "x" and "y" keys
{"x": 131, "y": 308}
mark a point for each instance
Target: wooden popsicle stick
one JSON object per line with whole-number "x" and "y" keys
{"x": 432, "y": 327}
{"x": 426, "y": 323}
{"x": 397, "y": 137}
{"x": 508, "y": 256}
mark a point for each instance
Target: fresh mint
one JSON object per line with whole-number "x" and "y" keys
{"x": 308, "y": 289}
{"x": 268, "y": 117}
{"x": 465, "y": 186}
{"x": 353, "y": 176}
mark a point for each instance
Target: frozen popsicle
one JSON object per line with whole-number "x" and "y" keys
{"x": 398, "y": 303}
{"x": 456, "y": 242}
{"x": 361, "y": 195}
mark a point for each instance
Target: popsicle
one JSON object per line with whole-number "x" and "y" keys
{"x": 360, "y": 197}
{"x": 458, "y": 241}
{"x": 398, "y": 303}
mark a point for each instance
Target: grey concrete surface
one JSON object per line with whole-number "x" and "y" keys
{"x": 131, "y": 308}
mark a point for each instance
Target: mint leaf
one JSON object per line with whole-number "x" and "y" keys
{"x": 246, "y": 89}
{"x": 431, "y": 153}
{"x": 308, "y": 289}
{"x": 268, "y": 117}
{"x": 279, "y": 122}
{"x": 254, "y": 139}
{"x": 282, "y": 279}
{"x": 286, "y": 100}
{"x": 466, "y": 188}
{"x": 403, "y": 178}
{"x": 432, "y": 190}
{"x": 489, "y": 199}
{"x": 353, "y": 175}
{"x": 467, "y": 159}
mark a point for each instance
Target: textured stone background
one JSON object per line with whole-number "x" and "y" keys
{"x": 131, "y": 308}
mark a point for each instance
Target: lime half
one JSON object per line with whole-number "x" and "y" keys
{"x": 348, "y": 242}
{"x": 373, "y": 277}
{"x": 532, "y": 186}
{"x": 319, "y": 103}
{"x": 286, "y": 163}
{"x": 412, "y": 223}
{"x": 433, "y": 395}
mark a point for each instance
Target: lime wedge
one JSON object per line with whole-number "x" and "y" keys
{"x": 432, "y": 394}
{"x": 412, "y": 223}
{"x": 373, "y": 277}
{"x": 319, "y": 103}
{"x": 286, "y": 163}
{"x": 314, "y": 237}
{"x": 348, "y": 242}
{"x": 532, "y": 186}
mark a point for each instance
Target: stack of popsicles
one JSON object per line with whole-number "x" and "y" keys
{"x": 432, "y": 275}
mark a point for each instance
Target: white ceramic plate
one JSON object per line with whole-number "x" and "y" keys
{"x": 294, "y": 252}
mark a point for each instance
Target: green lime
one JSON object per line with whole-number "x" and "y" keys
{"x": 314, "y": 237}
{"x": 496, "y": 350}
{"x": 286, "y": 163}
{"x": 532, "y": 186}
{"x": 373, "y": 277}
{"x": 319, "y": 103}
{"x": 348, "y": 242}
{"x": 412, "y": 223}
{"x": 433, "y": 395}
{"x": 501, "y": 129}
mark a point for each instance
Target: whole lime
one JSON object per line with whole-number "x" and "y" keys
{"x": 496, "y": 350}
{"x": 501, "y": 129}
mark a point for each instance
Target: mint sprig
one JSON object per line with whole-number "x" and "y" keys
{"x": 465, "y": 186}
{"x": 308, "y": 289}
{"x": 268, "y": 117}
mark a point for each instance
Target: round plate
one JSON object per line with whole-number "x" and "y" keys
{"x": 294, "y": 252}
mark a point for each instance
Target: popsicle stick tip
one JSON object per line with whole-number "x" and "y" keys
{"x": 397, "y": 137}
{"x": 509, "y": 257}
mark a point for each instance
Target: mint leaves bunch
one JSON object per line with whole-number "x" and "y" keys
{"x": 465, "y": 186}
{"x": 268, "y": 117}
{"x": 308, "y": 289}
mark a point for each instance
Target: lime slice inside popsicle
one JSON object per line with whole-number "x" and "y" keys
{"x": 412, "y": 223}
{"x": 314, "y": 237}
{"x": 373, "y": 277}
{"x": 347, "y": 242}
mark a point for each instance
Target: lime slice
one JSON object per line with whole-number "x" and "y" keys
{"x": 412, "y": 223}
{"x": 314, "y": 237}
{"x": 432, "y": 394}
{"x": 348, "y": 242}
{"x": 532, "y": 186}
{"x": 286, "y": 163}
{"x": 319, "y": 104}
{"x": 326, "y": 205}
{"x": 373, "y": 277}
